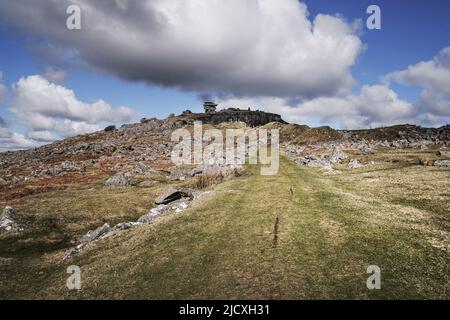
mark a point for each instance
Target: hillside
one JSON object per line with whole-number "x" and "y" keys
{"x": 113, "y": 203}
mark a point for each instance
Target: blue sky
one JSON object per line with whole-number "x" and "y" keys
{"x": 412, "y": 31}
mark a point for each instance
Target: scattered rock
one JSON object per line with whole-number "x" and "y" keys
{"x": 314, "y": 161}
{"x": 141, "y": 168}
{"x": 7, "y": 221}
{"x": 95, "y": 234}
{"x": 74, "y": 251}
{"x": 69, "y": 166}
{"x": 106, "y": 231}
{"x": 442, "y": 163}
{"x": 123, "y": 179}
{"x": 337, "y": 155}
{"x": 354, "y": 164}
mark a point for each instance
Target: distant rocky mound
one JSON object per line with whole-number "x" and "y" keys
{"x": 400, "y": 132}
{"x": 250, "y": 117}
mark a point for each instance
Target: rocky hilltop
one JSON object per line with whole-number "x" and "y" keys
{"x": 250, "y": 117}
{"x": 146, "y": 147}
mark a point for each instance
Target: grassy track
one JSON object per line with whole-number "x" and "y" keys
{"x": 329, "y": 232}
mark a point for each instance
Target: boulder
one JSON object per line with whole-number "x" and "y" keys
{"x": 177, "y": 206}
{"x": 354, "y": 164}
{"x": 153, "y": 214}
{"x": 7, "y": 221}
{"x": 74, "y": 251}
{"x": 95, "y": 234}
{"x": 337, "y": 155}
{"x": 123, "y": 179}
{"x": 443, "y": 153}
{"x": 3, "y": 182}
{"x": 69, "y": 166}
{"x": 173, "y": 195}
{"x": 141, "y": 168}
{"x": 442, "y": 163}
{"x": 314, "y": 161}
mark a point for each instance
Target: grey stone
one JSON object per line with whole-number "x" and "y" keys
{"x": 315, "y": 162}
{"x": 142, "y": 168}
{"x": 69, "y": 166}
{"x": 95, "y": 234}
{"x": 354, "y": 164}
{"x": 337, "y": 155}
{"x": 442, "y": 163}
{"x": 173, "y": 195}
{"x": 74, "y": 251}
{"x": 153, "y": 214}
{"x": 7, "y": 221}
{"x": 123, "y": 179}
{"x": 53, "y": 171}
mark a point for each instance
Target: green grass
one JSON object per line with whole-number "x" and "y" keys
{"x": 331, "y": 228}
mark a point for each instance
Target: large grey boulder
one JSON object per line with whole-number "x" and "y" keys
{"x": 123, "y": 179}
{"x": 7, "y": 221}
{"x": 337, "y": 155}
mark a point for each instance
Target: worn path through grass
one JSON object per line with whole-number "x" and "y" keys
{"x": 223, "y": 247}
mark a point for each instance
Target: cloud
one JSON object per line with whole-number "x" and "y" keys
{"x": 434, "y": 77}
{"x": 48, "y": 110}
{"x": 55, "y": 75}
{"x": 374, "y": 106}
{"x": 233, "y": 47}
{"x": 12, "y": 141}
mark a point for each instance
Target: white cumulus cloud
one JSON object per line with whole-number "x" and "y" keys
{"x": 48, "y": 110}
{"x": 433, "y": 76}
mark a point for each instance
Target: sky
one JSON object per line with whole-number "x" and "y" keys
{"x": 314, "y": 62}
